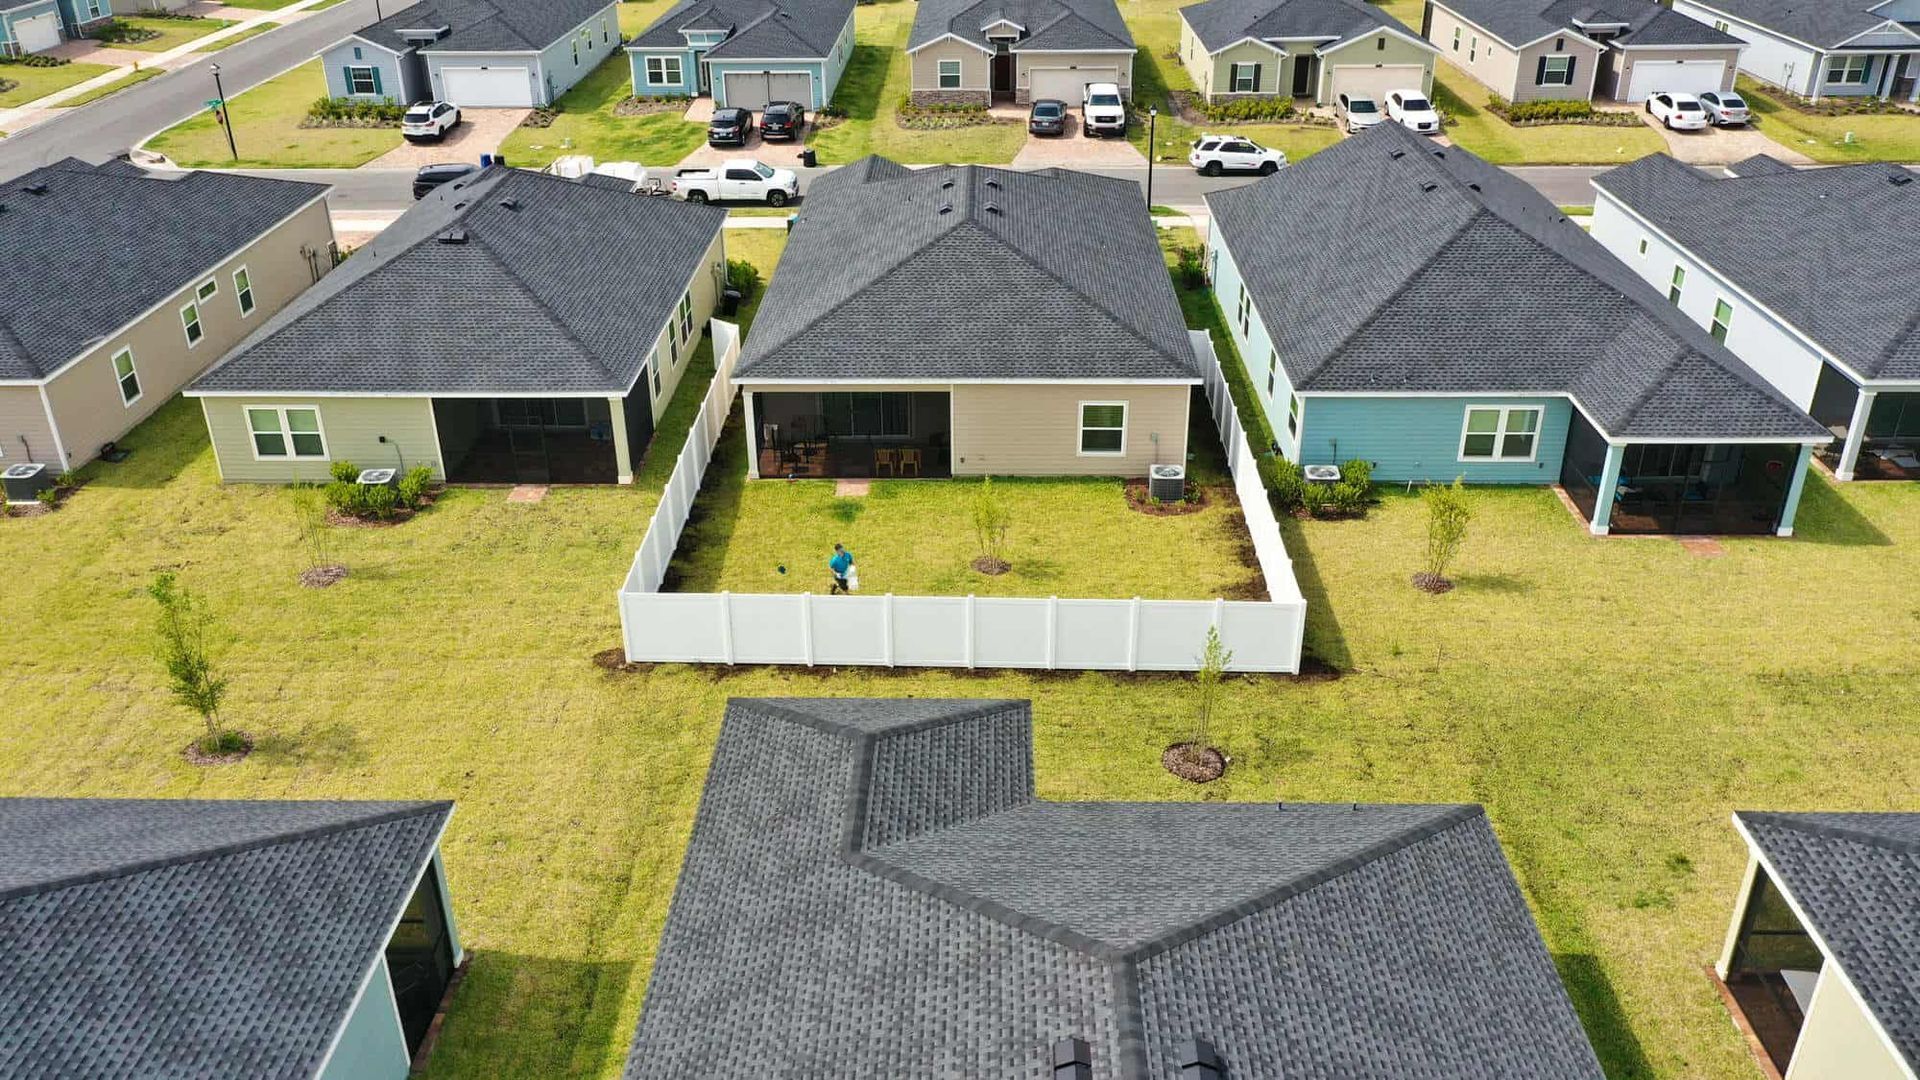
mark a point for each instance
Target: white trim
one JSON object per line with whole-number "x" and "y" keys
{"x": 433, "y": 425}
{"x": 679, "y": 59}
{"x": 365, "y": 41}
{"x": 945, "y": 36}
{"x": 286, "y": 433}
{"x": 1267, "y": 43}
{"x": 1500, "y": 433}
{"x": 1679, "y": 48}
{"x": 53, "y": 428}
{"x": 1523, "y": 46}
{"x": 1410, "y": 39}
{"x": 372, "y": 78}
{"x": 253, "y": 301}
{"x": 206, "y": 416}
{"x": 1612, "y": 440}
{"x": 1075, "y": 52}
{"x": 940, "y": 74}
{"x": 120, "y": 381}
{"x": 187, "y": 330}
{"x": 1081, "y": 428}
{"x": 1881, "y": 29}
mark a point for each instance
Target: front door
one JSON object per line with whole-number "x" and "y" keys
{"x": 1002, "y": 71}
{"x": 701, "y": 75}
{"x": 1302, "y": 76}
{"x": 420, "y": 959}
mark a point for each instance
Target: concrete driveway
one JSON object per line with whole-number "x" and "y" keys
{"x": 780, "y": 155}
{"x": 1076, "y": 151}
{"x": 1722, "y": 146}
{"x": 480, "y": 131}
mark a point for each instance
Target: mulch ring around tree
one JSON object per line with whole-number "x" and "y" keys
{"x": 196, "y": 756}
{"x": 1203, "y": 766}
{"x": 991, "y": 566}
{"x": 319, "y": 577}
{"x": 1431, "y": 583}
{"x": 1198, "y": 499}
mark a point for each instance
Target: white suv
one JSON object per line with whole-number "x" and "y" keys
{"x": 1215, "y": 154}
{"x": 429, "y": 120}
{"x": 1102, "y": 110}
{"x": 1679, "y": 112}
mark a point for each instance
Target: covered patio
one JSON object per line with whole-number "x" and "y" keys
{"x": 869, "y": 434}
{"x": 1876, "y": 432}
{"x": 1680, "y": 489}
{"x": 529, "y": 440}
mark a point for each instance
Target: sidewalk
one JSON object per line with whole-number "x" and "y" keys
{"x": 21, "y": 117}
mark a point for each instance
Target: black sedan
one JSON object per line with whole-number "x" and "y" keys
{"x": 729, "y": 127}
{"x": 1047, "y": 117}
{"x": 782, "y": 120}
{"x": 432, "y": 176}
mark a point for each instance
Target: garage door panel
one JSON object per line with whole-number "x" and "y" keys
{"x": 1375, "y": 82}
{"x": 488, "y": 87}
{"x": 1064, "y": 83}
{"x": 754, "y": 89}
{"x": 38, "y": 33}
{"x": 1674, "y": 76}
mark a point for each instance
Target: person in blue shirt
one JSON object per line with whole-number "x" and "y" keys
{"x": 841, "y": 564}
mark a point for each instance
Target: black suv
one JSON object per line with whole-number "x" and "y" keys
{"x": 1047, "y": 117}
{"x": 782, "y": 120}
{"x": 432, "y": 176}
{"x": 730, "y": 127}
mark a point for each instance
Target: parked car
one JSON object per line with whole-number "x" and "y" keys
{"x": 429, "y": 121}
{"x": 738, "y": 180}
{"x": 1411, "y": 110}
{"x": 1102, "y": 110}
{"x": 1357, "y": 112}
{"x": 1047, "y": 117}
{"x": 432, "y": 176}
{"x": 1215, "y": 154}
{"x": 1679, "y": 112}
{"x": 1725, "y": 109}
{"x": 729, "y": 127}
{"x": 782, "y": 120}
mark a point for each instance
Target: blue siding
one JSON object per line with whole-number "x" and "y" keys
{"x": 1257, "y": 355}
{"x": 838, "y": 60}
{"x": 76, "y": 14}
{"x": 1418, "y": 438}
{"x": 335, "y": 62}
{"x": 30, "y": 11}
{"x": 641, "y": 88}
{"x": 373, "y": 1047}
{"x": 717, "y": 76}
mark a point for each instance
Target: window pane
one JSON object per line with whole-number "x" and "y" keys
{"x": 1103, "y": 416}
{"x": 1478, "y": 446}
{"x": 1487, "y": 420}
{"x": 123, "y": 365}
{"x": 1100, "y": 441}
{"x": 263, "y": 419}
{"x": 1523, "y": 420}
{"x": 1517, "y": 445}
{"x": 267, "y": 445}
{"x": 308, "y": 445}
{"x": 303, "y": 420}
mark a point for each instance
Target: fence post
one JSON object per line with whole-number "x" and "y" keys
{"x": 726, "y": 626}
{"x": 1053, "y": 623}
{"x": 969, "y": 626}
{"x": 1133, "y": 634}
{"x": 886, "y": 626}
{"x": 1219, "y": 609}
{"x": 806, "y": 625}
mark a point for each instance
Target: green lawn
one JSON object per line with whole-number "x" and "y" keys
{"x": 1609, "y": 701}
{"x": 259, "y": 5}
{"x": 234, "y": 39}
{"x": 173, "y": 32}
{"x": 1835, "y": 140}
{"x": 267, "y": 131}
{"x": 113, "y": 87}
{"x": 585, "y": 124}
{"x": 1464, "y": 99}
{"x": 34, "y": 83}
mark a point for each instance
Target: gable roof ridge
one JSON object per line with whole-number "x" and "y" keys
{"x": 1831, "y": 830}
{"x": 220, "y": 851}
{"x": 540, "y": 302}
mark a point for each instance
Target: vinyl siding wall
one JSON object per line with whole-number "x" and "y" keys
{"x": 1480, "y": 54}
{"x": 1837, "y": 1038}
{"x": 1255, "y": 346}
{"x": 86, "y": 396}
{"x": 976, "y": 67}
{"x": 706, "y": 293}
{"x": 1366, "y": 53}
{"x": 836, "y": 64}
{"x": 1729, "y": 59}
{"x": 1418, "y": 438}
{"x": 352, "y": 427}
{"x": 558, "y": 69}
{"x": 1586, "y": 65}
{"x": 372, "y": 1046}
{"x": 24, "y": 433}
{"x": 1768, "y": 57}
{"x": 334, "y": 63}
{"x": 1120, "y": 63}
{"x": 1276, "y": 67}
{"x": 689, "y": 78}
{"x": 1016, "y": 429}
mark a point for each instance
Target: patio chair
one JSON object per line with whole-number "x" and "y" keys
{"x": 884, "y": 459}
{"x": 910, "y": 459}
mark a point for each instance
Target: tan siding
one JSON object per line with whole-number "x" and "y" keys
{"x": 1366, "y": 54}
{"x": 1034, "y": 430}
{"x": 1492, "y": 63}
{"x": 86, "y": 396}
{"x": 1837, "y": 1038}
{"x": 975, "y": 66}
{"x": 24, "y": 416}
{"x": 1586, "y": 64}
{"x": 1194, "y": 57}
{"x": 1121, "y": 63}
{"x": 352, "y": 426}
{"x": 1729, "y": 57}
{"x": 706, "y": 292}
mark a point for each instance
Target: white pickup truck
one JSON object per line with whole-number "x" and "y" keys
{"x": 738, "y": 180}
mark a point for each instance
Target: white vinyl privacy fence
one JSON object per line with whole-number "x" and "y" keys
{"x": 954, "y": 631}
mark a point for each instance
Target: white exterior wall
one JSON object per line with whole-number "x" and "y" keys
{"x": 1768, "y": 57}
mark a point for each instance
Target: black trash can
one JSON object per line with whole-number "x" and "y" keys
{"x": 729, "y": 302}
{"x": 808, "y": 160}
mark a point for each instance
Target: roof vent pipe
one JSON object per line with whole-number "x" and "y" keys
{"x": 453, "y": 236}
{"x": 1198, "y": 1060}
{"x": 1900, "y": 179}
{"x": 1428, "y": 185}
{"x": 992, "y": 209}
{"x": 510, "y": 204}
{"x": 1072, "y": 1059}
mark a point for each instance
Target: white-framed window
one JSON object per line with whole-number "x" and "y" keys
{"x": 1500, "y": 433}
{"x": 1246, "y": 306}
{"x": 1677, "y": 283}
{"x": 362, "y": 80}
{"x": 1273, "y": 371}
{"x": 686, "y": 315}
{"x": 208, "y": 290}
{"x": 1245, "y": 78}
{"x": 1556, "y": 71}
{"x": 1721, "y": 25}
{"x": 1848, "y": 69}
{"x": 949, "y": 74}
{"x": 128, "y": 378}
{"x": 576, "y": 52}
{"x": 243, "y": 291}
{"x": 1643, "y": 247}
{"x": 96, "y": 9}
{"x": 655, "y": 365}
{"x": 190, "y": 322}
{"x": 664, "y": 71}
{"x": 1103, "y": 428}
{"x": 286, "y": 431}
{"x": 1473, "y": 46}
{"x": 1293, "y": 414}
{"x": 1722, "y": 318}
{"x": 1456, "y": 39}
{"x": 603, "y": 30}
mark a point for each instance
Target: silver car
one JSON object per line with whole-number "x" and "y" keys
{"x": 1725, "y": 108}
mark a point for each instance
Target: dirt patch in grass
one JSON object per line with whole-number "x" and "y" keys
{"x": 319, "y": 577}
{"x": 1315, "y": 670}
{"x": 991, "y": 566}
{"x": 1431, "y": 583}
{"x": 352, "y": 521}
{"x": 614, "y": 662}
{"x": 1198, "y": 499}
{"x": 235, "y": 746}
{"x": 1192, "y": 762}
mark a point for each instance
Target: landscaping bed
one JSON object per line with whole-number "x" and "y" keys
{"x": 1835, "y": 133}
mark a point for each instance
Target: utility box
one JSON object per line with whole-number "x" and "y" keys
{"x": 25, "y": 482}
{"x": 1167, "y": 483}
{"x": 379, "y": 478}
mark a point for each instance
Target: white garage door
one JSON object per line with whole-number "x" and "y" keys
{"x": 38, "y": 33}
{"x": 753, "y": 89}
{"x": 1675, "y": 76}
{"x": 1063, "y": 84}
{"x": 496, "y": 87}
{"x": 1374, "y": 82}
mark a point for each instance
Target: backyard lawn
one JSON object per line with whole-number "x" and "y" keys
{"x": 267, "y": 131}
{"x": 173, "y": 32}
{"x": 1836, "y": 140}
{"x": 1610, "y": 701}
{"x": 20, "y": 83}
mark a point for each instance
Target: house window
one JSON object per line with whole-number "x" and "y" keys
{"x": 190, "y": 322}
{"x": 1245, "y": 78}
{"x": 1103, "y": 427}
{"x": 603, "y": 30}
{"x": 1849, "y": 70}
{"x": 1556, "y": 71}
{"x": 1643, "y": 247}
{"x": 686, "y": 315}
{"x": 1293, "y": 414}
{"x": 129, "y": 379}
{"x": 1495, "y": 433}
{"x": 1273, "y": 371}
{"x": 208, "y": 289}
{"x": 663, "y": 71}
{"x": 1380, "y": 43}
{"x": 1246, "y": 305}
{"x": 243, "y": 291}
{"x": 949, "y": 74}
{"x": 1473, "y": 46}
{"x": 96, "y": 9}
{"x": 1721, "y": 25}
{"x": 1679, "y": 281}
{"x": 1456, "y": 39}
{"x": 362, "y": 80}
{"x": 653, "y": 362}
{"x": 1722, "y": 316}
{"x": 576, "y": 53}
{"x": 288, "y": 431}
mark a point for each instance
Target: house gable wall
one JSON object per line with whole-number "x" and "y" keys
{"x": 1417, "y": 439}
{"x": 689, "y": 77}
{"x": 976, "y": 67}
{"x": 1729, "y": 59}
{"x": 1028, "y": 429}
{"x": 372, "y": 1045}
{"x": 353, "y": 427}
{"x": 1837, "y": 1038}
{"x": 1480, "y": 54}
{"x": 24, "y": 433}
{"x": 1586, "y": 66}
{"x": 393, "y": 79}
{"x": 1366, "y": 52}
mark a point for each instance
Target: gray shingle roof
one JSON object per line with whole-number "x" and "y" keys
{"x": 561, "y": 293}
{"x": 484, "y": 25}
{"x": 759, "y": 29}
{"x": 1518, "y": 22}
{"x": 970, "y": 272}
{"x": 1830, "y": 250}
{"x": 1220, "y": 23}
{"x": 103, "y": 244}
{"x": 187, "y": 938}
{"x": 1824, "y": 23}
{"x": 1050, "y": 25}
{"x": 1426, "y": 269}
{"x": 1857, "y": 878}
{"x": 872, "y": 892}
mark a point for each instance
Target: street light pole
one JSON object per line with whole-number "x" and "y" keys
{"x": 1153, "y": 114}
{"x": 226, "y": 114}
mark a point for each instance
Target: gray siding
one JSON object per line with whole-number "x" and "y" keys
{"x": 24, "y": 434}
{"x": 354, "y": 52}
{"x": 352, "y": 427}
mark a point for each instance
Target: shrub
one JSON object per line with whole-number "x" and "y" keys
{"x": 1358, "y": 471}
{"x": 347, "y": 495}
{"x": 344, "y": 471}
{"x": 115, "y": 32}
{"x": 1315, "y": 498}
{"x": 1347, "y": 498}
{"x": 414, "y": 485}
{"x": 992, "y": 520}
{"x": 1285, "y": 480}
{"x": 743, "y": 277}
{"x": 1190, "y": 263}
{"x": 1247, "y": 109}
{"x": 48, "y": 497}
{"x": 333, "y": 110}
{"x": 1448, "y": 512}
{"x": 1514, "y": 112}
{"x": 39, "y": 60}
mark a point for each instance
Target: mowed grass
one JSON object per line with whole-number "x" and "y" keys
{"x": 585, "y": 124}
{"x": 173, "y": 32}
{"x": 1609, "y": 701}
{"x": 1835, "y": 140}
{"x": 24, "y": 83}
{"x": 234, "y": 39}
{"x": 267, "y": 131}
{"x": 113, "y": 87}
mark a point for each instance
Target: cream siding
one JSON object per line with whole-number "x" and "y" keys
{"x": 86, "y": 396}
{"x": 706, "y": 292}
{"x": 976, "y": 70}
{"x": 352, "y": 428}
{"x": 24, "y": 434}
{"x": 1586, "y": 65}
{"x": 1624, "y": 61}
{"x": 1120, "y": 63}
{"x": 1837, "y": 1039}
{"x": 1491, "y": 62}
{"x": 1195, "y": 58}
{"x": 1273, "y": 68}
{"x": 1024, "y": 429}
{"x": 1366, "y": 53}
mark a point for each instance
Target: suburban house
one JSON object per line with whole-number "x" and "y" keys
{"x": 1810, "y": 276}
{"x": 1313, "y": 49}
{"x": 1578, "y": 50}
{"x": 481, "y": 334}
{"x": 39, "y": 25}
{"x": 1823, "y": 48}
{"x": 1436, "y": 316}
{"x": 222, "y": 939}
{"x": 965, "y": 321}
{"x": 105, "y": 314}
{"x": 1819, "y": 959}
{"x": 475, "y": 53}
{"x": 981, "y": 51}
{"x": 745, "y": 53}
{"x": 873, "y": 891}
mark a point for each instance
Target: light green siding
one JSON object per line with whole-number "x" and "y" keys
{"x": 372, "y": 1046}
{"x": 1265, "y": 373}
{"x": 1272, "y": 63}
{"x": 352, "y": 426}
{"x": 1359, "y": 57}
